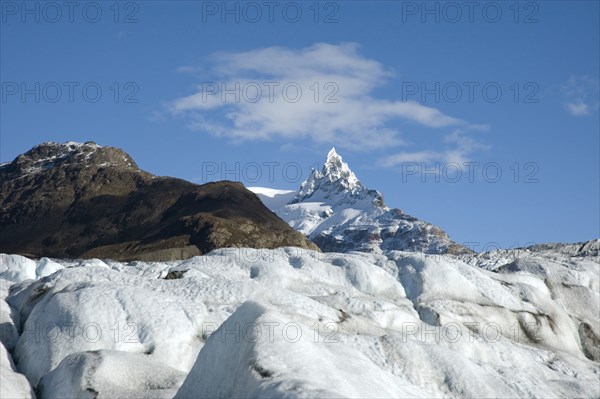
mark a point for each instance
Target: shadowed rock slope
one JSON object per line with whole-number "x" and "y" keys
{"x": 77, "y": 200}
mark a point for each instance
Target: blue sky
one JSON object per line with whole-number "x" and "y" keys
{"x": 408, "y": 96}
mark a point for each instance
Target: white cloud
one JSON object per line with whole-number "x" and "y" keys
{"x": 357, "y": 120}
{"x": 581, "y": 93}
{"x": 461, "y": 147}
{"x": 578, "y": 108}
{"x": 406, "y": 157}
{"x": 189, "y": 69}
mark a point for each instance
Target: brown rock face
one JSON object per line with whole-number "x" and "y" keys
{"x": 82, "y": 200}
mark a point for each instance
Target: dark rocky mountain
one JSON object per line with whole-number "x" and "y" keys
{"x": 77, "y": 200}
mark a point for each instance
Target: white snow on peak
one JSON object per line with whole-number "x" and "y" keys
{"x": 69, "y": 145}
{"x": 62, "y": 151}
{"x": 336, "y": 169}
{"x": 50, "y": 154}
{"x": 335, "y": 210}
{"x": 336, "y": 185}
{"x": 78, "y": 144}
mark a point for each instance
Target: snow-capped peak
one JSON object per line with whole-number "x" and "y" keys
{"x": 336, "y": 185}
{"x": 69, "y": 146}
{"x": 333, "y": 157}
{"x": 339, "y": 214}
{"x": 337, "y": 170}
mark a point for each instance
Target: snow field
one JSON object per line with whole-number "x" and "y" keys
{"x": 296, "y": 323}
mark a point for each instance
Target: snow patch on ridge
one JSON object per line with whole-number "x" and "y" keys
{"x": 273, "y": 198}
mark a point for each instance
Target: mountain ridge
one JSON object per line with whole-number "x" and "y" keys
{"x": 84, "y": 200}
{"x": 337, "y": 212}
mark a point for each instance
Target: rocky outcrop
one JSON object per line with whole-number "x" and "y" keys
{"x": 83, "y": 200}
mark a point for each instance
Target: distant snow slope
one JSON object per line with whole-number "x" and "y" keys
{"x": 339, "y": 214}
{"x": 273, "y": 198}
{"x": 297, "y": 323}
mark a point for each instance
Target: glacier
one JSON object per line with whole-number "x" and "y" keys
{"x": 297, "y": 323}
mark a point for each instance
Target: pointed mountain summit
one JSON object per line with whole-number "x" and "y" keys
{"x": 339, "y": 214}
{"x": 337, "y": 170}
{"x": 337, "y": 185}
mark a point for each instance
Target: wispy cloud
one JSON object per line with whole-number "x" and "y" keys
{"x": 345, "y": 112}
{"x": 460, "y": 147}
{"x": 189, "y": 69}
{"x": 581, "y": 94}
